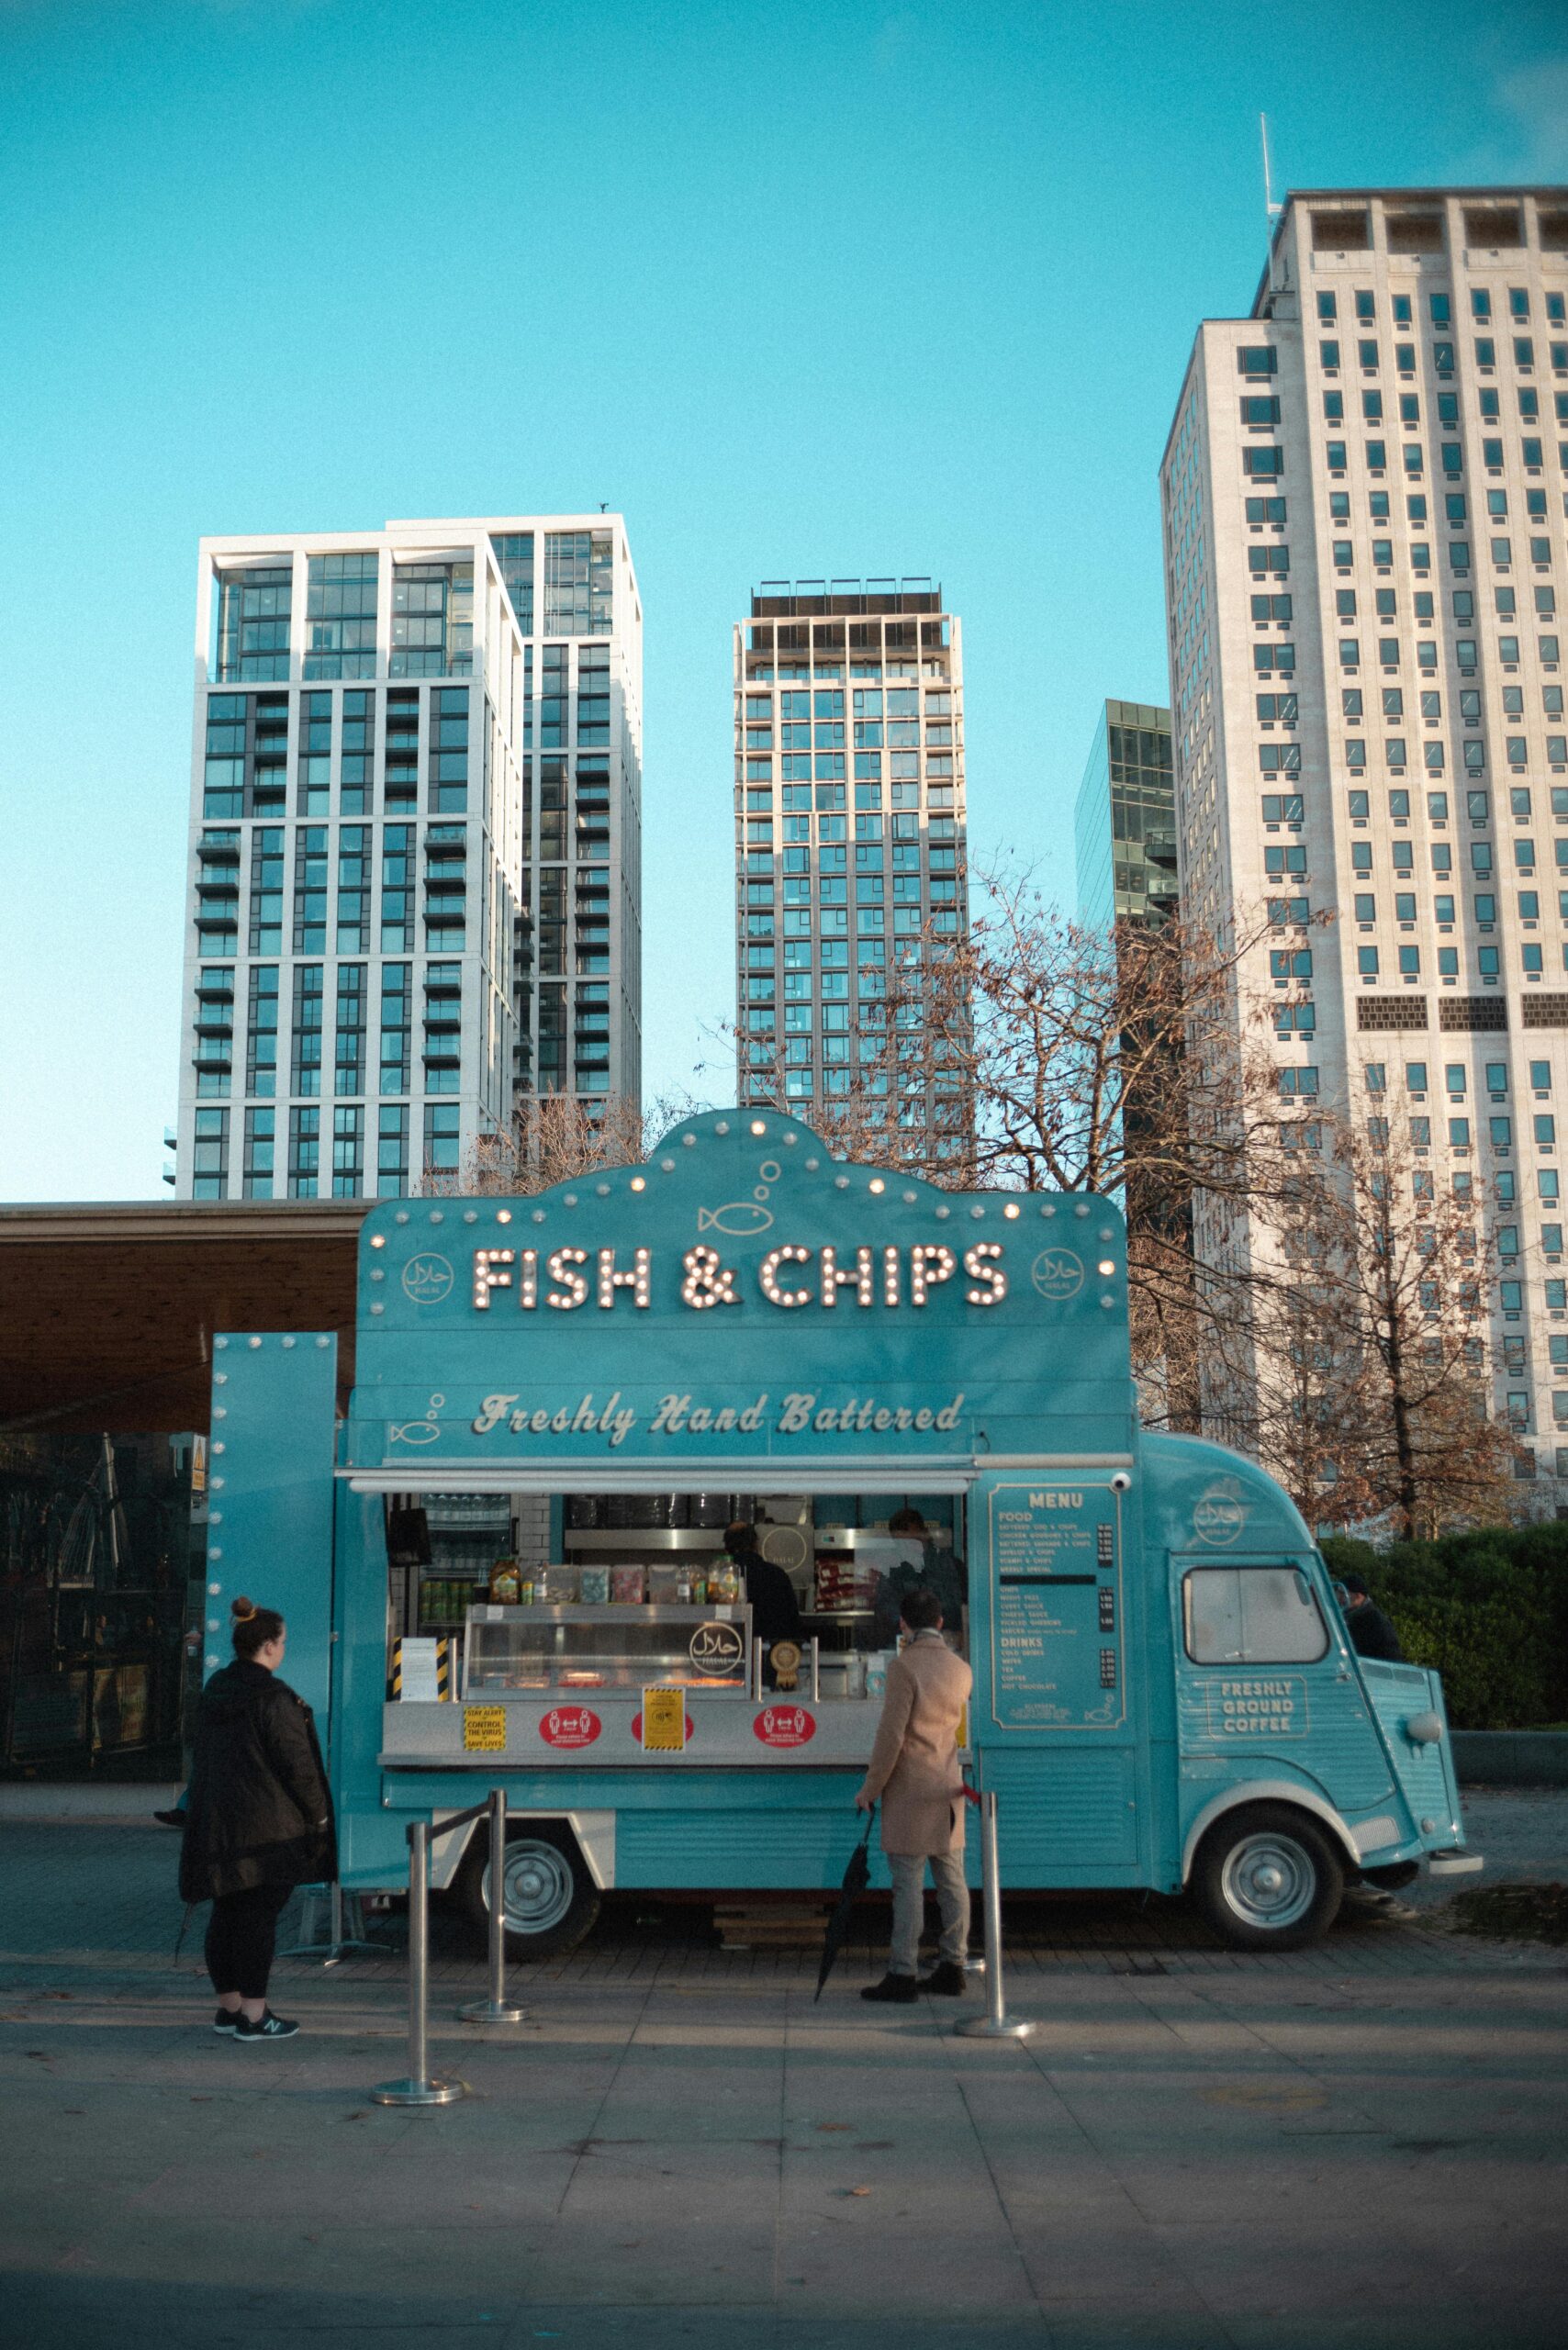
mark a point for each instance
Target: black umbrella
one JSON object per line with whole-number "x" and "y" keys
{"x": 856, "y": 1877}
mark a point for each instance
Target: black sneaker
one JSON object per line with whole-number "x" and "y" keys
{"x": 946, "y": 1978}
{"x": 227, "y": 2019}
{"x": 271, "y": 2027}
{"x": 900, "y": 1991}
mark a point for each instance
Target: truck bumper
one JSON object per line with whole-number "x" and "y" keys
{"x": 1454, "y": 1864}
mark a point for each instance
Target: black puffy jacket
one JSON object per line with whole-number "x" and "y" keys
{"x": 259, "y": 1810}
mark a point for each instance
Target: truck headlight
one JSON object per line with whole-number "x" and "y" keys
{"x": 1423, "y": 1729}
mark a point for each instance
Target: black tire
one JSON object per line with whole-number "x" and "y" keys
{"x": 1267, "y": 1877}
{"x": 1394, "y": 1877}
{"x": 552, "y": 1900}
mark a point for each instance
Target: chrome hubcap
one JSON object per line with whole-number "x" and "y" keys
{"x": 1269, "y": 1881}
{"x": 537, "y": 1886}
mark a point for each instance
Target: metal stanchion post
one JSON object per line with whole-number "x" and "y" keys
{"x": 995, "y": 2024}
{"x": 418, "y": 2088}
{"x": 497, "y": 2008}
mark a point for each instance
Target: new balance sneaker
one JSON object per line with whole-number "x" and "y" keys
{"x": 900, "y": 1991}
{"x": 947, "y": 1979}
{"x": 227, "y": 2019}
{"x": 271, "y": 2027}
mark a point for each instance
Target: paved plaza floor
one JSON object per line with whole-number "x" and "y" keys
{"x": 1360, "y": 2147}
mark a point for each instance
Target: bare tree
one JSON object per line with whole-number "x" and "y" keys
{"x": 554, "y": 1138}
{"x": 1366, "y": 1337}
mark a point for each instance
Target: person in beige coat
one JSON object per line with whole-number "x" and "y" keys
{"x": 914, "y": 1771}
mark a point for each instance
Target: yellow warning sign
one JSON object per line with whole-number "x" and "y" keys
{"x": 485, "y": 1729}
{"x": 663, "y": 1721}
{"x": 964, "y": 1726}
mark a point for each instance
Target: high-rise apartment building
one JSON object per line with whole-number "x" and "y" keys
{"x": 414, "y": 848}
{"x": 1124, "y": 821}
{"x": 849, "y": 829}
{"x": 1364, "y": 496}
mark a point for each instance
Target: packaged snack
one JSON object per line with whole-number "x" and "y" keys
{"x": 593, "y": 1585}
{"x": 504, "y": 1582}
{"x": 556, "y": 1586}
{"x": 628, "y": 1585}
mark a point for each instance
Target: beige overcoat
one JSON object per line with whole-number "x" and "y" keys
{"x": 914, "y": 1762}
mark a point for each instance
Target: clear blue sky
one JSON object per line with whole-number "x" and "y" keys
{"x": 800, "y": 289}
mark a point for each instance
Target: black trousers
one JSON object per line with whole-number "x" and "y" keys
{"x": 240, "y": 1935}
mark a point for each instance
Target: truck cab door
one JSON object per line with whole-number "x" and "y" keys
{"x": 1264, "y": 1684}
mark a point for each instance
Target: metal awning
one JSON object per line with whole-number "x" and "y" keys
{"x": 750, "y": 1473}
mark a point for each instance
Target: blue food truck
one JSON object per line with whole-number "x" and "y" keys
{"x": 506, "y": 1565}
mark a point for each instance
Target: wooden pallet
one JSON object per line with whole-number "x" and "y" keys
{"x": 771, "y": 1926}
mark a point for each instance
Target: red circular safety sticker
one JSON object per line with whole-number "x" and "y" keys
{"x": 637, "y": 1728}
{"x": 784, "y": 1725}
{"x": 570, "y": 1725}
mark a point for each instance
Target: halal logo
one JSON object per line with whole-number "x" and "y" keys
{"x": 427, "y": 1278}
{"x": 1219, "y": 1514}
{"x": 1057, "y": 1273}
{"x": 716, "y": 1649}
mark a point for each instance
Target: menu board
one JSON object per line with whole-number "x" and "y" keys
{"x": 1056, "y": 1606}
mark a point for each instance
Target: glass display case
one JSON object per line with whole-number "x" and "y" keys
{"x": 524, "y": 1651}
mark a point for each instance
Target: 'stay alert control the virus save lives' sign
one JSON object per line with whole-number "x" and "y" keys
{"x": 784, "y": 1725}
{"x": 570, "y": 1725}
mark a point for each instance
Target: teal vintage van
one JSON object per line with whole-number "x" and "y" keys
{"x": 508, "y": 1564}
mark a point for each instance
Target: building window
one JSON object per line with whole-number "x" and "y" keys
{"x": 391, "y": 1151}
{"x": 397, "y": 1023}
{"x": 252, "y": 625}
{"x": 433, "y": 620}
{"x": 396, "y": 888}
{"x": 353, "y": 889}
{"x": 514, "y": 553}
{"x": 449, "y": 751}
{"x": 441, "y": 1136}
{"x": 579, "y": 583}
{"x": 593, "y": 698}
{"x": 339, "y": 616}
{"x": 210, "y": 1163}
{"x": 259, "y": 1134}
{"x": 304, "y": 1152}
{"x": 348, "y": 1150}
{"x": 348, "y": 1068}
{"x": 305, "y": 1075}
{"x": 260, "y": 1034}
{"x": 310, "y": 889}
{"x": 313, "y": 793}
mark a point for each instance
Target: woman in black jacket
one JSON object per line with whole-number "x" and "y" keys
{"x": 259, "y": 1819}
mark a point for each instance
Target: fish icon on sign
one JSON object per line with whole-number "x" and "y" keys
{"x": 418, "y": 1431}
{"x": 739, "y": 1218}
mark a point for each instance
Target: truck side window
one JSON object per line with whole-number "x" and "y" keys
{"x": 1251, "y": 1615}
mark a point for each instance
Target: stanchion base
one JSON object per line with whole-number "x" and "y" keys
{"x": 491, "y": 2012}
{"x": 983, "y": 2028}
{"x": 419, "y": 2092}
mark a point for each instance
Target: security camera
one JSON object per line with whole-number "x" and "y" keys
{"x": 1120, "y": 1482}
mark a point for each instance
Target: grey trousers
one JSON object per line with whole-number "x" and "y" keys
{"x": 908, "y": 1872}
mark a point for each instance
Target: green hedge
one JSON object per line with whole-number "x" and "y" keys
{"x": 1489, "y": 1609}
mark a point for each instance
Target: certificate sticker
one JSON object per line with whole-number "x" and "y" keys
{"x": 485, "y": 1729}
{"x": 663, "y": 1721}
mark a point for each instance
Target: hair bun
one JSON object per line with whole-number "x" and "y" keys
{"x": 242, "y": 1610}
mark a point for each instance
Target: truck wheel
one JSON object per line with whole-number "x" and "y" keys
{"x": 1267, "y": 1878}
{"x": 551, "y": 1900}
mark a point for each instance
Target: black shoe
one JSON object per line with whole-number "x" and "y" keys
{"x": 227, "y": 2019}
{"x": 271, "y": 2027}
{"x": 175, "y": 1819}
{"x": 946, "y": 1978}
{"x": 901, "y": 1990}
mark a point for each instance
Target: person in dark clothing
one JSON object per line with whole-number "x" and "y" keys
{"x": 259, "y": 1819}
{"x": 771, "y": 1595}
{"x": 1370, "y": 1632}
{"x": 938, "y": 1571}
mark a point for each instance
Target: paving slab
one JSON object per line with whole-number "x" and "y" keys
{"x": 1357, "y": 2147}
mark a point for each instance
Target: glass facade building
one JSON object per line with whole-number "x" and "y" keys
{"x": 415, "y": 848}
{"x": 1124, "y": 819}
{"x": 849, "y": 829}
{"x": 1365, "y": 510}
